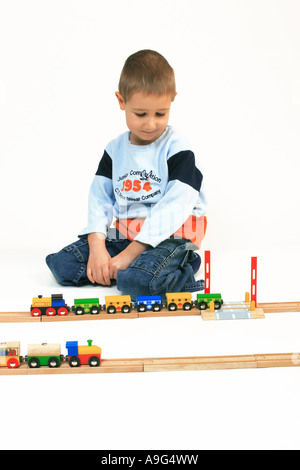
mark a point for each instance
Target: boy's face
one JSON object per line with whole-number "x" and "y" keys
{"x": 147, "y": 116}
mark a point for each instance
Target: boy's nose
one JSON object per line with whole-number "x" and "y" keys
{"x": 150, "y": 124}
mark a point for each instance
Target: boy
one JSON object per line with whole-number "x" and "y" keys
{"x": 149, "y": 182}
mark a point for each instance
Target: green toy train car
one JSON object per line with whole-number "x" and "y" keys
{"x": 82, "y": 306}
{"x": 203, "y": 301}
{"x": 43, "y": 355}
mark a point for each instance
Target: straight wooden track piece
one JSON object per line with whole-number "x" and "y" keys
{"x": 199, "y": 363}
{"x": 107, "y": 366}
{"x": 88, "y": 316}
{"x": 18, "y": 317}
{"x": 280, "y": 307}
{"x": 164, "y": 312}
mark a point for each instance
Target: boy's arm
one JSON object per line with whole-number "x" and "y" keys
{"x": 98, "y": 270}
{"x": 101, "y": 199}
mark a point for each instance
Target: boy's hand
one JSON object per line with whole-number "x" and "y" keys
{"x": 125, "y": 258}
{"x": 98, "y": 270}
{"x": 120, "y": 261}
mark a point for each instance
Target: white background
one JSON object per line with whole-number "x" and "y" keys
{"x": 237, "y": 65}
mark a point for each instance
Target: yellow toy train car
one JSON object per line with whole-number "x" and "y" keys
{"x": 179, "y": 300}
{"x": 118, "y": 303}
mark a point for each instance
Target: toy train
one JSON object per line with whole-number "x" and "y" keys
{"x": 56, "y": 305}
{"x": 49, "y": 355}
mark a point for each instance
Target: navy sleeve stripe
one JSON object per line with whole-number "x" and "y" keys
{"x": 105, "y": 166}
{"x": 182, "y": 167}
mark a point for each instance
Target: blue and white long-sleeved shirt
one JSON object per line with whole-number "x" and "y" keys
{"x": 153, "y": 191}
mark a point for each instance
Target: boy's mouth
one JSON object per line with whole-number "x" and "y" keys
{"x": 148, "y": 132}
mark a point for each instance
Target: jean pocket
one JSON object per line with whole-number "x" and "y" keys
{"x": 81, "y": 243}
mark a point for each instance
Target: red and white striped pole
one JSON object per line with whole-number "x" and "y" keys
{"x": 207, "y": 272}
{"x": 254, "y": 280}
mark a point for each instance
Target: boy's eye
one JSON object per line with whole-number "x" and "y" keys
{"x": 144, "y": 114}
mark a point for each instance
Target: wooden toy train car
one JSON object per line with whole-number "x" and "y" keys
{"x": 83, "y": 355}
{"x": 49, "y": 355}
{"x": 82, "y": 306}
{"x": 10, "y": 354}
{"x": 50, "y": 306}
{"x": 203, "y": 301}
{"x": 43, "y": 355}
{"x": 56, "y": 305}
{"x": 179, "y": 300}
{"x": 150, "y": 302}
{"x": 118, "y": 303}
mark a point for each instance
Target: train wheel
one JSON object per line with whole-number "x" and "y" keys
{"x": 74, "y": 361}
{"x": 111, "y": 309}
{"x": 172, "y": 306}
{"x": 187, "y": 306}
{"x": 50, "y": 312}
{"x": 62, "y": 311}
{"x": 34, "y": 363}
{"x": 156, "y": 308}
{"x": 36, "y": 312}
{"x": 125, "y": 309}
{"x": 94, "y": 361}
{"x": 217, "y": 305}
{"x": 79, "y": 311}
{"x": 95, "y": 310}
{"x": 53, "y": 362}
{"x": 202, "y": 305}
{"x": 13, "y": 363}
{"x": 141, "y": 308}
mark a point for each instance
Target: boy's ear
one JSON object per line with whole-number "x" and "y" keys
{"x": 120, "y": 100}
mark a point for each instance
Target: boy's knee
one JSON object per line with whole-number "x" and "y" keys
{"x": 59, "y": 268}
{"x": 67, "y": 267}
{"x": 132, "y": 279}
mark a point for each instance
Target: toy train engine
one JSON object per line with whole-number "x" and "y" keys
{"x": 43, "y": 355}
{"x": 150, "y": 302}
{"x": 10, "y": 354}
{"x": 203, "y": 301}
{"x": 118, "y": 303}
{"x": 50, "y": 306}
{"x": 179, "y": 300}
{"x": 83, "y": 355}
{"x": 82, "y": 306}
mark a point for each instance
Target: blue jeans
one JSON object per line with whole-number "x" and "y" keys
{"x": 166, "y": 268}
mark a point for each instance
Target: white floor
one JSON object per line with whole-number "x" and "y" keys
{"x": 239, "y": 409}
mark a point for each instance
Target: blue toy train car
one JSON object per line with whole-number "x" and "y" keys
{"x": 150, "y": 302}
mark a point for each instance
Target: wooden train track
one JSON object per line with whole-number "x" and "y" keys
{"x": 280, "y": 307}
{"x": 262, "y": 308}
{"x": 252, "y": 361}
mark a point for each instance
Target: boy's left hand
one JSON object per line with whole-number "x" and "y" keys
{"x": 118, "y": 262}
{"x": 125, "y": 258}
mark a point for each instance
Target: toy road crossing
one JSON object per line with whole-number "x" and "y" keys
{"x": 234, "y": 311}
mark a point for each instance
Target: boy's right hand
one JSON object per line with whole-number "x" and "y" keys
{"x": 98, "y": 263}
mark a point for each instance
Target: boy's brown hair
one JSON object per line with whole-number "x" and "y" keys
{"x": 149, "y": 72}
